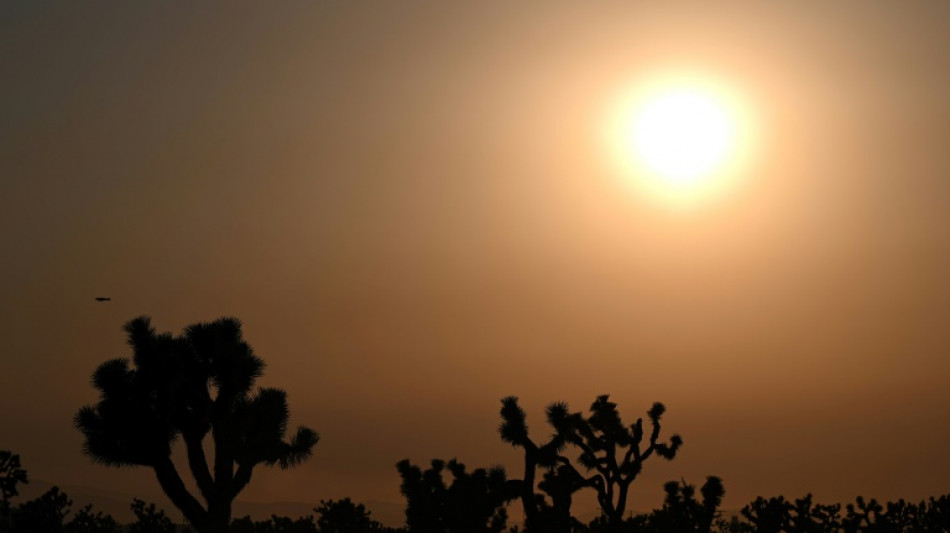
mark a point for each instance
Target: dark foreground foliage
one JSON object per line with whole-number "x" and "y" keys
{"x": 777, "y": 514}
{"x": 476, "y": 501}
{"x": 333, "y": 516}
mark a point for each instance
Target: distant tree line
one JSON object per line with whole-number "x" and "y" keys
{"x": 476, "y": 502}
{"x": 199, "y": 387}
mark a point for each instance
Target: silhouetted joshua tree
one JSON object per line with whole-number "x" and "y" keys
{"x": 190, "y": 386}
{"x": 611, "y": 450}
{"x": 473, "y": 503}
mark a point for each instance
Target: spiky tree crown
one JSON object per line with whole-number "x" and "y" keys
{"x": 514, "y": 426}
{"x": 167, "y": 390}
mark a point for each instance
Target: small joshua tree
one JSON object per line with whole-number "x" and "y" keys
{"x": 196, "y": 385}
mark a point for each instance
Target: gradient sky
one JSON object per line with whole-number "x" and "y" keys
{"x": 410, "y": 206}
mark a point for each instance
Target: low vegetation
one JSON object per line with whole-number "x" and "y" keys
{"x": 448, "y": 498}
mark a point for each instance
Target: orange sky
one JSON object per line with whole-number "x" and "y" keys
{"x": 409, "y": 206}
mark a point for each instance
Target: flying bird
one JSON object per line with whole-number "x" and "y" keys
{"x": 101, "y": 299}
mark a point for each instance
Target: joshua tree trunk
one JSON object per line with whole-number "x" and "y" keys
{"x": 219, "y": 517}
{"x": 528, "y": 502}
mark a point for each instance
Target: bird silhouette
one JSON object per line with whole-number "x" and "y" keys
{"x": 102, "y": 299}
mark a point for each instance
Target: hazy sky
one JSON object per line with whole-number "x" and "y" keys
{"x": 411, "y": 207}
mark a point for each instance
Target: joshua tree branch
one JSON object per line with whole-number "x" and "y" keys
{"x": 223, "y": 460}
{"x": 173, "y": 486}
{"x": 595, "y": 481}
{"x": 241, "y": 478}
{"x": 198, "y": 464}
{"x": 647, "y": 453}
{"x": 655, "y": 434}
{"x": 622, "y": 499}
{"x": 586, "y": 481}
{"x": 528, "y": 503}
{"x": 628, "y": 458}
{"x": 597, "y": 464}
{"x": 610, "y": 456}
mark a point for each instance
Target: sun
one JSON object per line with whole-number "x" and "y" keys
{"x": 682, "y": 140}
{"x": 682, "y": 135}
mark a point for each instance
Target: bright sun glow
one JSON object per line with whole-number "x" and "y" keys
{"x": 681, "y": 140}
{"x": 682, "y": 135}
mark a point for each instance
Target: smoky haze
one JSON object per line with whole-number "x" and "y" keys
{"x": 409, "y": 208}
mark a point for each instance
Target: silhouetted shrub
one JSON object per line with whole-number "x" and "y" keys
{"x": 42, "y": 515}
{"x": 864, "y": 516}
{"x": 473, "y": 503}
{"x": 150, "y": 519}
{"x": 344, "y": 516}
{"x": 86, "y": 521}
{"x": 274, "y": 524}
{"x": 733, "y": 525}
